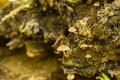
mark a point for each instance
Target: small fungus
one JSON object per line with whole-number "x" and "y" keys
{"x": 83, "y": 46}
{"x": 70, "y": 76}
{"x": 96, "y": 4}
{"x": 87, "y": 56}
{"x": 72, "y": 29}
{"x": 63, "y": 48}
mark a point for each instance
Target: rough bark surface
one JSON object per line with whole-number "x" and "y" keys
{"x": 85, "y": 35}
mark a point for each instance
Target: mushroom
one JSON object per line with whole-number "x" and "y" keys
{"x": 70, "y": 76}
{"x": 87, "y": 56}
{"x": 72, "y": 29}
{"x": 63, "y": 48}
